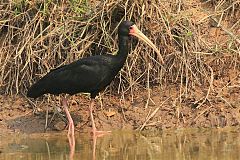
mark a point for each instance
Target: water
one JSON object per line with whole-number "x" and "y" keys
{"x": 194, "y": 144}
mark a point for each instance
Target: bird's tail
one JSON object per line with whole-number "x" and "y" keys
{"x": 37, "y": 89}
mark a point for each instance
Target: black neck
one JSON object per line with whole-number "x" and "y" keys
{"x": 123, "y": 48}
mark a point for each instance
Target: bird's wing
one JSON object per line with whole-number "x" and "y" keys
{"x": 85, "y": 75}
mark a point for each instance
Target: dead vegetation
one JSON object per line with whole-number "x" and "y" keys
{"x": 198, "y": 39}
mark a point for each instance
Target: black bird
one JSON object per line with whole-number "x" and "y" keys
{"x": 89, "y": 75}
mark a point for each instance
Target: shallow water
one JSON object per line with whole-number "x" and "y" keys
{"x": 199, "y": 144}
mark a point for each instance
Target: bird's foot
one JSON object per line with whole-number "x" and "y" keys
{"x": 97, "y": 133}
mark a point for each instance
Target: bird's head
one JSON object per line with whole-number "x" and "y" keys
{"x": 125, "y": 28}
{"x": 128, "y": 28}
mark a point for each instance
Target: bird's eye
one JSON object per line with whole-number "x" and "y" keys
{"x": 131, "y": 27}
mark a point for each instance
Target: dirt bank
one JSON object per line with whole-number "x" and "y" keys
{"x": 161, "y": 110}
{"x": 199, "y": 85}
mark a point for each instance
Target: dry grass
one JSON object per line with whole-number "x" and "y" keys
{"x": 36, "y": 36}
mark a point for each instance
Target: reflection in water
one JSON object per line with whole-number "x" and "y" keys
{"x": 71, "y": 142}
{"x": 177, "y": 144}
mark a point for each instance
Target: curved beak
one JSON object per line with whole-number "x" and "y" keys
{"x": 137, "y": 33}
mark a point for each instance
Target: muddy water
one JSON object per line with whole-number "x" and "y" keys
{"x": 199, "y": 144}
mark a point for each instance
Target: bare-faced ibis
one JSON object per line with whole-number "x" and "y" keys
{"x": 90, "y": 74}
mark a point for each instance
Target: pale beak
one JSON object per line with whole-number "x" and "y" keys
{"x": 136, "y": 32}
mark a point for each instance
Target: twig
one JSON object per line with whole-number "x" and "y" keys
{"x": 209, "y": 88}
{"x": 225, "y": 30}
{"x": 148, "y": 87}
{"x": 151, "y": 115}
{"x": 202, "y": 113}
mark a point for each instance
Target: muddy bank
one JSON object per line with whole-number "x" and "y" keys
{"x": 200, "y": 81}
{"x": 161, "y": 110}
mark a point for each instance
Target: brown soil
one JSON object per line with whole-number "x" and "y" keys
{"x": 218, "y": 109}
{"x": 215, "y": 105}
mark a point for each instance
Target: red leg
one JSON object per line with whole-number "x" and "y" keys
{"x": 70, "y": 121}
{"x": 95, "y": 132}
{"x": 71, "y": 138}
